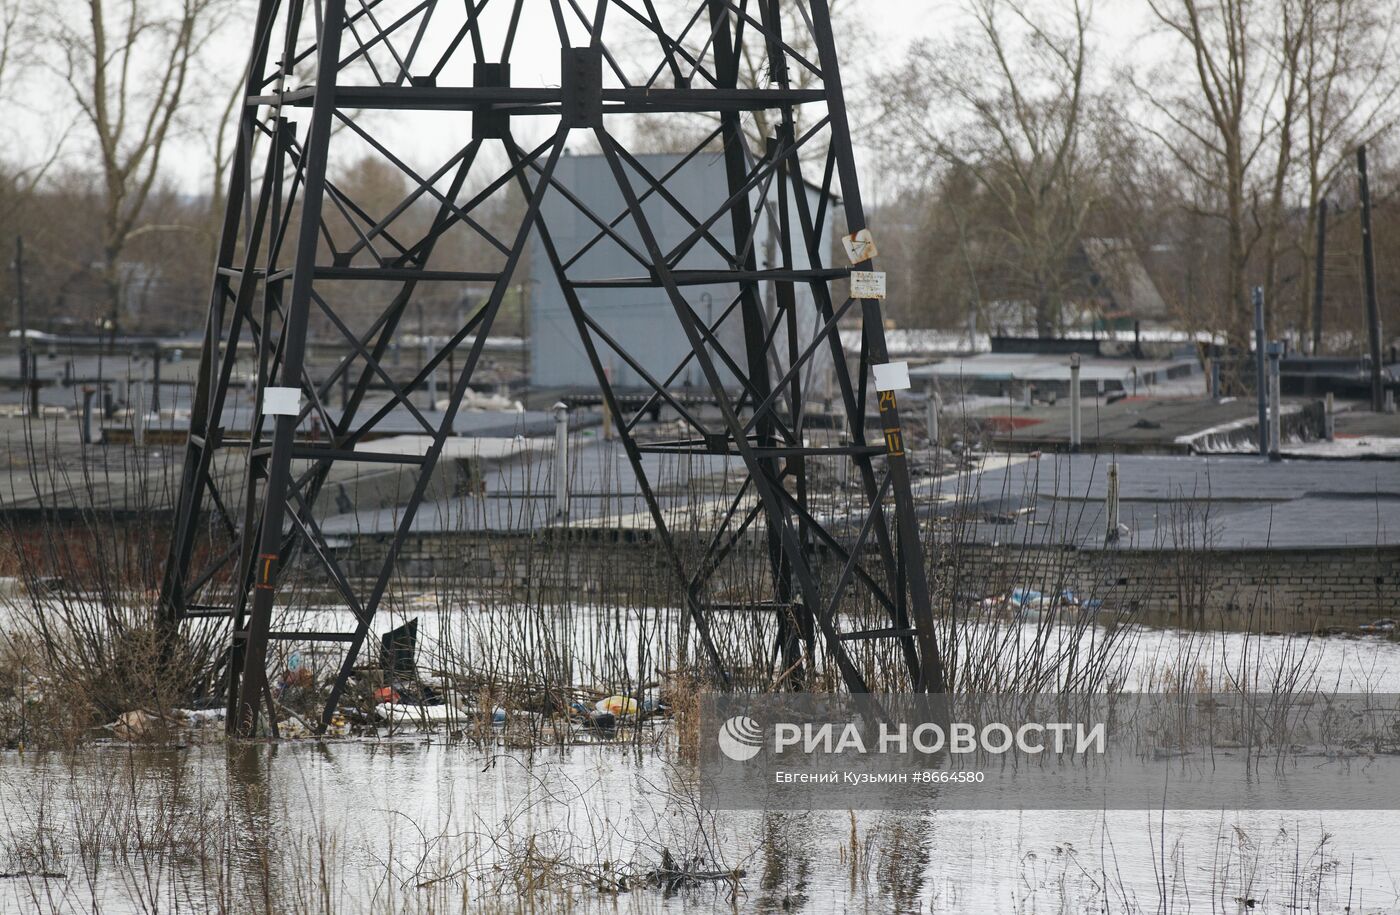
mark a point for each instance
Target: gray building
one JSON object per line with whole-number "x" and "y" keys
{"x": 641, "y": 318}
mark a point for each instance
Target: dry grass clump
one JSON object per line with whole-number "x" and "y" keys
{"x": 70, "y": 663}
{"x": 682, "y": 689}
{"x": 80, "y": 624}
{"x": 18, "y": 696}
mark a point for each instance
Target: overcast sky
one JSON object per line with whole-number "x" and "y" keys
{"x": 894, "y": 25}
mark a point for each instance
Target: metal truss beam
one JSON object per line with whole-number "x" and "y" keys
{"x": 295, "y": 238}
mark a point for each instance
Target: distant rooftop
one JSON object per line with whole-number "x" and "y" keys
{"x": 511, "y": 490}
{"x": 1175, "y": 502}
{"x": 1103, "y": 374}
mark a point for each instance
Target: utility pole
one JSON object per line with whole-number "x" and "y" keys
{"x": 1275, "y": 402}
{"x": 1260, "y": 382}
{"x": 23, "y": 324}
{"x": 1368, "y": 256}
{"x": 561, "y": 460}
{"x": 1075, "y": 410}
{"x": 1319, "y": 276}
{"x": 155, "y": 378}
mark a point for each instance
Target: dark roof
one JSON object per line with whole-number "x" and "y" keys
{"x": 1169, "y": 502}
{"x": 517, "y": 495}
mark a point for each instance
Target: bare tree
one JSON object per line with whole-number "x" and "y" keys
{"x": 1230, "y": 126}
{"x": 130, "y": 69}
{"x": 38, "y": 142}
{"x": 221, "y": 156}
{"x": 1008, "y": 103}
{"x": 663, "y": 134}
{"x": 9, "y": 27}
{"x": 1349, "y": 98}
{"x": 20, "y": 178}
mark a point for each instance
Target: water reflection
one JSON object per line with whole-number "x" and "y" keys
{"x": 360, "y": 826}
{"x": 786, "y": 863}
{"x": 252, "y": 848}
{"x": 423, "y": 825}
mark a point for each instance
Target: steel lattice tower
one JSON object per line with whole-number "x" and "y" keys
{"x": 319, "y": 72}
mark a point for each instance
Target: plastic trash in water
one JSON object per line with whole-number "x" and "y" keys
{"x": 591, "y": 717}
{"x": 617, "y": 705}
{"x": 339, "y": 726}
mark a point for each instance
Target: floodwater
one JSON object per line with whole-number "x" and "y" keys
{"x": 588, "y": 644}
{"x": 418, "y": 823}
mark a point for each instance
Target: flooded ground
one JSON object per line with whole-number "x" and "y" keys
{"x": 623, "y": 647}
{"x": 420, "y": 823}
{"x": 413, "y": 825}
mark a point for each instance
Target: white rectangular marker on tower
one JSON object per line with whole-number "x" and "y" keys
{"x": 891, "y": 376}
{"x": 867, "y": 284}
{"x": 281, "y": 401}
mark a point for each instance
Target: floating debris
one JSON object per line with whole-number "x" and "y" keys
{"x": 620, "y": 706}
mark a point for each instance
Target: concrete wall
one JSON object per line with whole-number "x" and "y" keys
{"x": 1272, "y": 589}
{"x": 1282, "y": 590}
{"x": 586, "y": 564}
